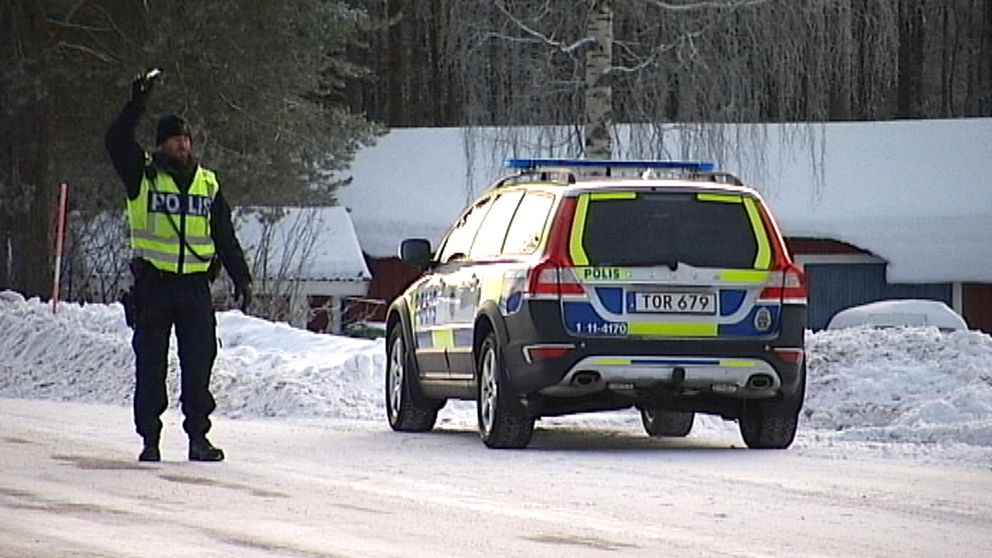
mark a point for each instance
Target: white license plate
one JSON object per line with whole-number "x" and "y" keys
{"x": 675, "y": 303}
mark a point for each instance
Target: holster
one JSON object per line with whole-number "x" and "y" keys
{"x": 128, "y": 300}
{"x": 141, "y": 269}
{"x": 131, "y": 299}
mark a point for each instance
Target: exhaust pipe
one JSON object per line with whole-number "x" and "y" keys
{"x": 586, "y": 378}
{"x": 759, "y": 381}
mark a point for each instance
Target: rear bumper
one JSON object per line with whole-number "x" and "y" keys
{"x": 736, "y": 377}
{"x": 638, "y": 370}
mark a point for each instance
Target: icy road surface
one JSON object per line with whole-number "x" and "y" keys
{"x": 70, "y": 486}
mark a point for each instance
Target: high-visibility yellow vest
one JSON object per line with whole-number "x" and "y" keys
{"x": 161, "y": 213}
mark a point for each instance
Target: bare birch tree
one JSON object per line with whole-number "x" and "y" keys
{"x": 681, "y": 76}
{"x": 680, "y": 66}
{"x": 598, "y": 121}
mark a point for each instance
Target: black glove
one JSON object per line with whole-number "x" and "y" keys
{"x": 141, "y": 87}
{"x": 242, "y": 295}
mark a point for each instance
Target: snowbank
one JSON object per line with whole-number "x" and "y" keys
{"x": 907, "y": 385}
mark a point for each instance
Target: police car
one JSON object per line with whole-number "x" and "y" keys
{"x": 577, "y": 285}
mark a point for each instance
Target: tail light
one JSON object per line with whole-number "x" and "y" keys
{"x": 549, "y": 278}
{"x": 548, "y": 351}
{"x": 794, "y": 356}
{"x": 787, "y": 285}
{"x": 553, "y": 275}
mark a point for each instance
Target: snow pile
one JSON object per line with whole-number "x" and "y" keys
{"x": 263, "y": 369}
{"x": 901, "y": 384}
{"x": 914, "y": 385}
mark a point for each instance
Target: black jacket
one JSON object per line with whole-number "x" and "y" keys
{"x": 129, "y": 162}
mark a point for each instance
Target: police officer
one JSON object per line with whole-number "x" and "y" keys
{"x": 180, "y": 227}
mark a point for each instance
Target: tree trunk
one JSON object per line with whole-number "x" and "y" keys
{"x": 910, "y": 66}
{"x": 984, "y": 105}
{"x": 6, "y": 213}
{"x": 840, "y": 87}
{"x": 397, "y": 62}
{"x": 27, "y": 197}
{"x": 599, "y": 93}
{"x": 26, "y": 229}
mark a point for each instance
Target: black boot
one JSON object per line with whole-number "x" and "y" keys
{"x": 200, "y": 449}
{"x": 150, "y": 452}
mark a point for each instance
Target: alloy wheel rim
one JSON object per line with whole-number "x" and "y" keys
{"x": 488, "y": 396}
{"x": 395, "y": 379}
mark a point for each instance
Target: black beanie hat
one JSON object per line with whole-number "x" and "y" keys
{"x": 171, "y": 125}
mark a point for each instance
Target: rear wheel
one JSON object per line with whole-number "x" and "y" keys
{"x": 406, "y": 409}
{"x": 503, "y": 422}
{"x": 766, "y": 426}
{"x": 676, "y": 424}
{"x": 772, "y": 424}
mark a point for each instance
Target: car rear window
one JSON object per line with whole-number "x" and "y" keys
{"x": 653, "y": 229}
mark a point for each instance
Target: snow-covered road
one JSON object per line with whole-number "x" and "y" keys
{"x": 69, "y": 486}
{"x": 893, "y": 458}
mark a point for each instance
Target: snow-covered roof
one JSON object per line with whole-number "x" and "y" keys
{"x": 917, "y": 193}
{"x": 306, "y": 243}
{"x": 412, "y": 183}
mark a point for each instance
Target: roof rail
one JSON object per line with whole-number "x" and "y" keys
{"x": 718, "y": 176}
{"x": 535, "y": 164}
{"x": 553, "y": 175}
{"x": 565, "y": 171}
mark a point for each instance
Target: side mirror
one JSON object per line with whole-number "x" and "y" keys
{"x": 415, "y": 252}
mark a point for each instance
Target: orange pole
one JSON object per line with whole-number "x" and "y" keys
{"x": 59, "y": 243}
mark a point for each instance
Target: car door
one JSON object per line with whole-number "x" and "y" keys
{"x": 479, "y": 276}
{"x": 435, "y": 297}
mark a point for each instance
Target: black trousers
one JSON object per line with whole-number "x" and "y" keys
{"x": 164, "y": 300}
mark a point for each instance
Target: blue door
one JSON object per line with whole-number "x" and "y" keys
{"x": 834, "y": 287}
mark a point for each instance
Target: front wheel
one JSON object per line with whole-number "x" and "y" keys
{"x": 503, "y": 422}
{"x": 406, "y": 410}
{"x": 676, "y": 424}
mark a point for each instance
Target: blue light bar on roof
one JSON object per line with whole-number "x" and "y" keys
{"x": 531, "y": 164}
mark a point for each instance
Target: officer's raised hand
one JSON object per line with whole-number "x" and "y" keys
{"x": 141, "y": 87}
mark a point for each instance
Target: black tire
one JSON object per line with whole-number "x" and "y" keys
{"x": 503, "y": 422}
{"x": 772, "y": 424}
{"x": 767, "y": 427}
{"x": 406, "y": 409}
{"x": 675, "y": 424}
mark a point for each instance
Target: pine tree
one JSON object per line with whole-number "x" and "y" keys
{"x": 261, "y": 83}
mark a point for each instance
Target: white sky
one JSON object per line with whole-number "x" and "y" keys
{"x": 913, "y": 386}
{"x": 917, "y": 193}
